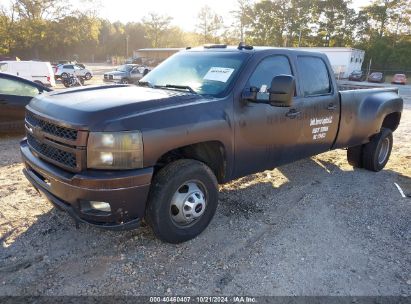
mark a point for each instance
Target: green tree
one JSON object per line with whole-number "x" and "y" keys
{"x": 335, "y": 18}
{"x": 156, "y": 26}
{"x": 241, "y": 19}
{"x": 268, "y": 23}
{"x": 209, "y": 24}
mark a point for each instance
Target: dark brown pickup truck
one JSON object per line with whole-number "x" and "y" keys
{"x": 114, "y": 155}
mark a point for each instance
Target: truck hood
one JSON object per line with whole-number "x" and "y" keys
{"x": 100, "y": 108}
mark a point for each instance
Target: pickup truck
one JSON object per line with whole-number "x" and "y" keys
{"x": 115, "y": 155}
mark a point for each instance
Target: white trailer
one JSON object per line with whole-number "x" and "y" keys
{"x": 343, "y": 60}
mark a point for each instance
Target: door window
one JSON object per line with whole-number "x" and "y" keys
{"x": 315, "y": 77}
{"x": 14, "y": 87}
{"x": 266, "y": 70}
{"x": 3, "y": 67}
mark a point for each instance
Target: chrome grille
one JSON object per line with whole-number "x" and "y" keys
{"x": 61, "y": 145}
{"x": 62, "y": 157}
{"x": 51, "y": 128}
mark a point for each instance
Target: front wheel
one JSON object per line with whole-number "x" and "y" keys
{"x": 88, "y": 76}
{"x": 124, "y": 81}
{"x": 182, "y": 201}
{"x": 376, "y": 153}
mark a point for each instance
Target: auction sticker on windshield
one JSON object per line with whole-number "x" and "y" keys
{"x": 219, "y": 74}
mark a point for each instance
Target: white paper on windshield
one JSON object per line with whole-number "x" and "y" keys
{"x": 218, "y": 74}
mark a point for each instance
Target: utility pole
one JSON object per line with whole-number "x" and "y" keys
{"x": 299, "y": 39}
{"x": 369, "y": 68}
{"x": 127, "y": 46}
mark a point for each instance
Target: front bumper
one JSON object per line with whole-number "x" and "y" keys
{"x": 125, "y": 191}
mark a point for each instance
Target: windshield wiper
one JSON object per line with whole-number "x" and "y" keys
{"x": 180, "y": 87}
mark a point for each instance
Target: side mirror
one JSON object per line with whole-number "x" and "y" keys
{"x": 250, "y": 94}
{"x": 282, "y": 91}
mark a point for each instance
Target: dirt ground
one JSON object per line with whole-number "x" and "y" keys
{"x": 314, "y": 227}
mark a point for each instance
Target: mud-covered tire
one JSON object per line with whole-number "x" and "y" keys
{"x": 354, "y": 156}
{"x": 166, "y": 184}
{"x": 377, "y": 152}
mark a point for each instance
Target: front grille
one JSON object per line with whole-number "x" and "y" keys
{"x": 62, "y": 157}
{"x": 50, "y": 128}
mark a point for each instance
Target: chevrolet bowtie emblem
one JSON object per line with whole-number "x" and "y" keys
{"x": 37, "y": 132}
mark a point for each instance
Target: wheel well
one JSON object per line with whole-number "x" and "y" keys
{"x": 212, "y": 153}
{"x": 391, "y": 121}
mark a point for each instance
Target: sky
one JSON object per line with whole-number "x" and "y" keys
{"x": 184, "y": 12}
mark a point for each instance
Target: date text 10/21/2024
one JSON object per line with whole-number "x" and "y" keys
{"x": 204, "y": 299}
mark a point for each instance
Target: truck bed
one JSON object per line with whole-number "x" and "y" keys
{"x": 359, "y": 106}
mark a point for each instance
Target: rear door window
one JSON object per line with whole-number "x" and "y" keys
{"x": 314, "y": 76}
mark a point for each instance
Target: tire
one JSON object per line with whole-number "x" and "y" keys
{"x": 64, "y": 75}
{"x": 124, "y": 81}
{"x": 377, "y": 152}
{"x": 66, "y": 83}
{"x": 88, "y": 76}
{"x": 354, "y": 156}
{"x": 174, "y": 184}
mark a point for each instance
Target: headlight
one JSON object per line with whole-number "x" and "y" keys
{"x": 116, "y": 151}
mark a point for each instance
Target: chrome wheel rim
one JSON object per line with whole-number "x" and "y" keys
{"x": 385, "y": 147}
{"x": 188, "y": 204}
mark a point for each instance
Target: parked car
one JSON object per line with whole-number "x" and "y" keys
{"x": 399, "y": 79}
{"x": 15, "y": 93}
{"x": 376, "y": 77}
{"x": 127, "y": 73}
{"x": 36, "y": 71}
{"x": 64, "y": 70}
{"x": 206, "y": 116}
{"x": 357, "y": 76}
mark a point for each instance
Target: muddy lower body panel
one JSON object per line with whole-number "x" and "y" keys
{"x": 123, "y": 192}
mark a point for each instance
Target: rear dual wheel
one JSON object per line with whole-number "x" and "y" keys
{"x": 374, "y": 155}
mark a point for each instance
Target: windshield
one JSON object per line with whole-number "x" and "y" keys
{"x": 205, "y": 73}
{"x": 124, "y": 68}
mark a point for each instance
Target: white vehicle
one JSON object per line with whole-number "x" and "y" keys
{"x": 64, "y": 70}
{"x": 344, "y": 61}
{"x": 37, "y": 71}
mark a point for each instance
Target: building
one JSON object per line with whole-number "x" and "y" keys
{"x": 154, "y": 56}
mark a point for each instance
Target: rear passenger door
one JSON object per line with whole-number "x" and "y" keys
{"x": 321, "y": 107}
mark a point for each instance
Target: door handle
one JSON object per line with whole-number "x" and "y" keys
{"x": 293, "y": 113}
{"x": 331, "y": 107}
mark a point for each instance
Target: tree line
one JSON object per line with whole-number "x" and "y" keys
{"x": 52, "y": 30}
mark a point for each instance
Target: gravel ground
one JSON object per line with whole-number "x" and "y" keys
{"x": 314, "y": 227}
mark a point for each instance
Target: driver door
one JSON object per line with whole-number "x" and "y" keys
{"x": 266, "y": 136}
